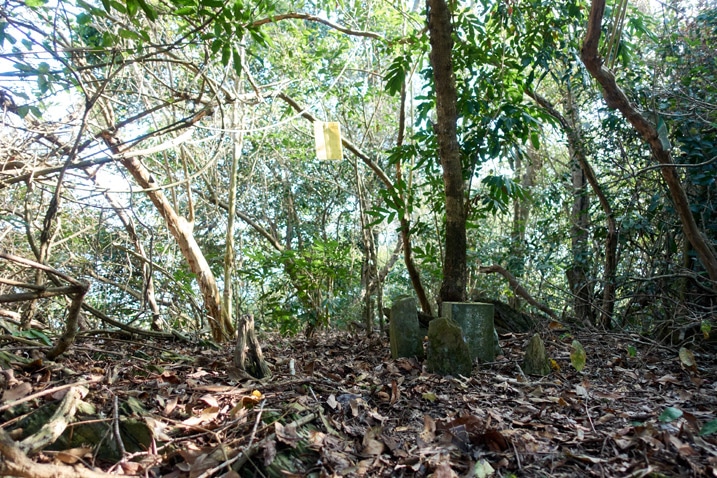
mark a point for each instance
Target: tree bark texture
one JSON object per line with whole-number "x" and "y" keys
{"x": 440, "y": 31}
{"x": 616, "y": 99}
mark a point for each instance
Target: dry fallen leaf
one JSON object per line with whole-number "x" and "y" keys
{"x": 287, "y": 434}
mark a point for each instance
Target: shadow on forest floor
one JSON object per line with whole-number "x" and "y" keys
{"x": 350, "y": 410}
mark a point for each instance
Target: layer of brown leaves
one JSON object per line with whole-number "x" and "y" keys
{"x": 349, "y": 410}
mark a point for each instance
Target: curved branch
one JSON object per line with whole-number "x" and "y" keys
{"x": 313, "y": 18}
{"x": 617, "y": 99}
{"x": 517, "y": 288}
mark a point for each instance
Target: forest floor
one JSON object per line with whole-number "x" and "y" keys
{"x": 637, "y": 409}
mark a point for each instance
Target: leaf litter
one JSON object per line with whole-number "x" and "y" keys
{"x": 338, "y": 405}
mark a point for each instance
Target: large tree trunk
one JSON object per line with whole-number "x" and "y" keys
{"x": 578, "y": 278}
{"x": 221, "y": 325}
{"x": 440, "y": 31}
{"x": 616, "y": 99}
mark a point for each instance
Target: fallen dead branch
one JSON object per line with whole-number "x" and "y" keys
{"x": 51, "y": 431}
{"x": 16, "y": 463}
{"x": 518, "y": 289}
{"x": 47, "y": 391}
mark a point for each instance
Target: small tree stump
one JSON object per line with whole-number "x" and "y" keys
{"x": 248, "y": 357}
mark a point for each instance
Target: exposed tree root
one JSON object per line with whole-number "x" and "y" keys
{"x": 518, "y": 289}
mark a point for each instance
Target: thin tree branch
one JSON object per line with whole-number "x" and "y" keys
{"x": 313, "y": 18}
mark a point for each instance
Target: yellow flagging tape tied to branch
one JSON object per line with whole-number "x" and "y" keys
{"x": 328, "y": 140}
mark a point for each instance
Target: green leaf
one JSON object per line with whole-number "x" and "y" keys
{"x": 23, "y": 110}
{"x": 148, "y": 10}
{"x": 106, "y": 5}
{"x": 670, "y": 414}
{"x": 185, "y": 11}
{"x": 212, "y": 3}
{"x": 216, "y": 46}
{"x": 577, "y": 355}
{"x": 132, "y": 7}
{"x": 34, "y": 334}
{"x": 127, "y": 34}
{"x": 535, "y": 140}
{"x": 396, "y": 74}
{"x": 705, "y": 328}
{"x": 35, "y": 3}
{"x": 236, "y": 57}
{"x": 709, "y": 428}
{"x": 226, "y": 54}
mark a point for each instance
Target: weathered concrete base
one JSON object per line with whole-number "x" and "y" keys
{"x": 476, "y": 321}
{"x": 404, "y": 330}
{"x": 448, "y": 353}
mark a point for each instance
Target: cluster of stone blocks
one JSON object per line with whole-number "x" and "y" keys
{"x": 465, "y": 332}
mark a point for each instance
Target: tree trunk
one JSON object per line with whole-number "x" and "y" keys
{"x": 578, "y": 279}
{"x": 440, "y": 30}
{"x": 405, "y": 218}
{"x": 181, "y": 230}
{"x": 584, "y": 296}
{"x": 616, "y": 99}
{"x": 237, "y": 147}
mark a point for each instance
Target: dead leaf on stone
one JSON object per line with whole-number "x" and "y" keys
{"x": 428, "y": 435}
{"x": 316, "y": 439}
{"x": 207, "y": 415}
{"x": 669, "y": 378}
{"x": 159, "y": 429}
{"x": 210, "y": 400}
{"x": 354, "y": 404}
{"x": 395, "y": 392}
{"x": 444, "y": 470}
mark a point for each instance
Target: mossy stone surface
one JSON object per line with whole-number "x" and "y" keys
{"x": 536, "y": 360}
{"x": 448, "y": 353}
{"x": 404, "y": 330}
